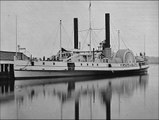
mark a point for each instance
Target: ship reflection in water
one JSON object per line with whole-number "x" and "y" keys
{"x": 95, "y": 99}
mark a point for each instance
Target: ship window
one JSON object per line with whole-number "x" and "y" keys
{"x": 32, "y": 63}
{"x": 92, "y": 64}
{"x": 81, "y": 64}
{"x": 87, "y": 64}
{"x": 109, "y": 65}
{"x": 43, "y": 63}
{"x": 53, "y": 63}
{"x": 97, "y": 64}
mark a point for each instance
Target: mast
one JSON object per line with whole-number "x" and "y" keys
{"x": 144, "y": 44}
{"x": 16, "y": 35}
{"x": 90, "y": 27}
{"x": 60, "y": 40}
{"x": 118, "y": 39}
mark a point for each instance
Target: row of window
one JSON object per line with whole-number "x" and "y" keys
{"x": 109, "y": 65}
{"x": 88, "y": 64}
{"x": 32, "y": 63}
{"x": 81, "y": 64}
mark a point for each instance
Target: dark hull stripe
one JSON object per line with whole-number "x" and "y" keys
{"x": 78, "y": 73}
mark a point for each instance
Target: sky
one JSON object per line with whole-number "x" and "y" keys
{"x": 38, "y": 28}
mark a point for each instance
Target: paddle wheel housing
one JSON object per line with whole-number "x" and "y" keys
{"x": 126, "y": 56}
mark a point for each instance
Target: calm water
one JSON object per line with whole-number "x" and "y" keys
{"x": 96, "y": 98}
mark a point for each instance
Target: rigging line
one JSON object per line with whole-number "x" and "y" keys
{"x": 83, "y": 30}
{"x": 81, "y": 37}
{"x": 85, "y": 39}
{"x": 98, "y": 29}
{"x": 119, "y": 39}
{"x": 124, "y": 43}
{"x": 113, "y": 28}
{"x": 112, "y": 41}
{"x": 127, "y": 43}
{"x": 113, "y": 25}
{"x": 72, "y": 33}
{"x": 94, "y": 41}
{"x": 66, "y": 33}
{"x": 92, "y": 29}
{"x": 45, "y": 43}
{"x": 121, "y": 36}
{"x": 51, "y": 51}
{"x": 95, "y": 36}
{"x": 56, "y": 35}
{"x": 114, "y": 37}
{"x": 130, "y": 48}
{"x": 137, "y": 37}
{"x": 101, "y": 30}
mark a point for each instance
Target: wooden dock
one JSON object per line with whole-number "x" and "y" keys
{"x": 6, "y": 70}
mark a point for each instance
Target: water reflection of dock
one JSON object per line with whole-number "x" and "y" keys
{"x": 6, "y": 89}
{"x": 6, "y": 80}
{"x": 77, "y": 91}
{"x": 6, "y": 70}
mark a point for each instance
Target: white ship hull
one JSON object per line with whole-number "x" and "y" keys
{"x": 50, "y": 69}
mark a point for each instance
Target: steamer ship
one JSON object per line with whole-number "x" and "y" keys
{"x": 84, "y": 63}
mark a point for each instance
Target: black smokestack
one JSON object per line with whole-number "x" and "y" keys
{"x": 75, "y": 33}
{"x": 107, "y": 30}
